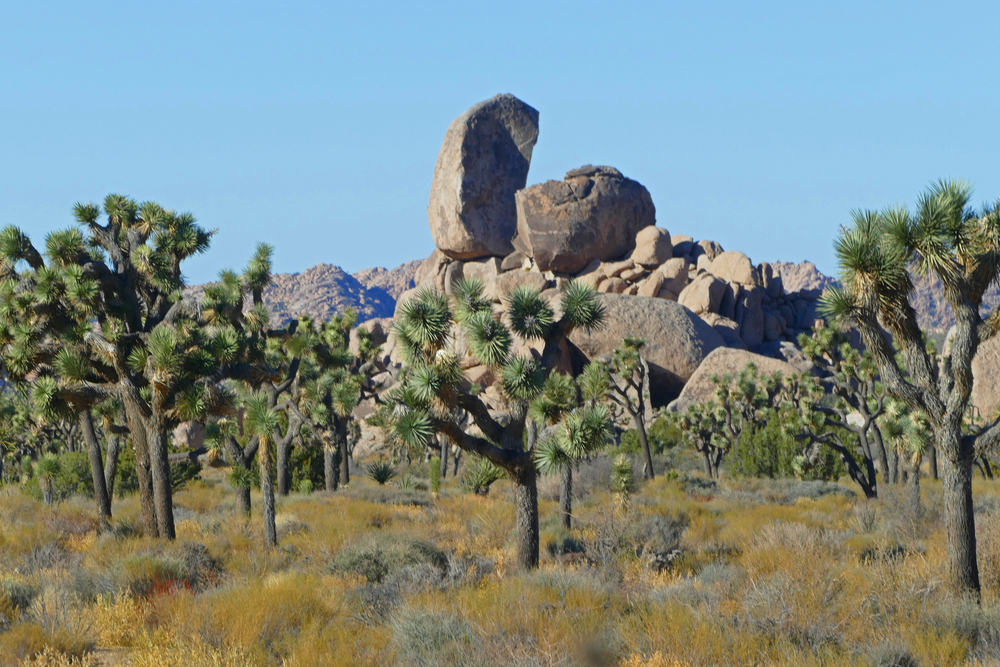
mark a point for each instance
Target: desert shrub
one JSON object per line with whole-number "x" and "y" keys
{"x": 424, "y": 638}
{"x": 127, "y": 480}
{"x": 657, "y": 539}
{"x": 780, "y": 491}
{"x": 305, "y": 487}
{"x": 147, "y": 574}
{"x": 376, "y": 557}
{"x": 892, "y": 654}
{"x": 15, "y": 600}
{"x": 965, "y": 618}
{"x": 388, "y": 495}
{"x": 479, "y": 475}
{"x": 380, "y": 472}
{"x": 305, "y": 464}
{"x": 73, "y": 478}
{"x": 563, "y": 543}
{"x": 26, "y": 641}
{"x": 770, "y": 452}
{"x": 662, "y": 434}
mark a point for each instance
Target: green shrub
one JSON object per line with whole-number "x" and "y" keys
{"x": 479, "y": 475}
{"x": 375, "y": 558}
{"x": 661, "y": 434}
{"x": 306, "y": 487}
{"x": 770, "y": 452}
{"x": 380, "y": 471}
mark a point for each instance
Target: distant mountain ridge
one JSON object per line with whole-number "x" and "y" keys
{"x": 325, "y": 289}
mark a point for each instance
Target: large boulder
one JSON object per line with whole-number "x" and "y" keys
{"x": 734, "y": 267}
{"x": 677, "y": 340}
{"x": 720, "y": 362}
{"x": 703, "y": 295}
{"x": 483, "y": 161}
{"x": 986, "y": 378}
{"x": 652, "y": 247}
{"x": 594, "y": 213}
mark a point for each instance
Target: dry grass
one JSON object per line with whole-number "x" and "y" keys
{"x": 749, "y": 573}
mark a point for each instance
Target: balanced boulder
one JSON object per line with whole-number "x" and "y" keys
{"x": 483, "y": 161}
{"x": 593, "y": 213}
{"x": 721, "y": 362}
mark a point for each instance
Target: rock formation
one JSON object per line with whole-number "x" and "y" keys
{"x": 483, "y": 161}
{"x": 593, "y": 213}
{"x": 719, "y": 362}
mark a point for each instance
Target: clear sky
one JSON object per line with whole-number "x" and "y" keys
{"x": 315, "y": 126}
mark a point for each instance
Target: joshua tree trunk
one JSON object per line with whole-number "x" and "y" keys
{"x": 101, "y": 496}
{"x": 284, "y": 481}
{"x": 46, "y": 485}
{"x": 915, "y": 491}
{"x": 111, "y": 465}
{"x": 331, "y": 470}
{"x": 882, "y": 456}
{"x": 959, "y": 520}
{"x": 455, "y": 461}
{"x": 566, "y": 496}
{"x": 162, "y": 490}
{"x": 639, "y": 419}
{"x": 267, "y": 491}
{"x": 932, "y": 461}
{"x": 137, "y": 427}
{"x": 445, "y": 446}
{"x": 345, "y": 456}
{"x": 526, "y": 515}
{"x": 243, "y": 501}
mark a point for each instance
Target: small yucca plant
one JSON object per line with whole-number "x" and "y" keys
{"x": 622, "y": 479}
{"x": 47, "y": 469}
{"x": 381, "y": 471}
{"x": 480, "y": 475}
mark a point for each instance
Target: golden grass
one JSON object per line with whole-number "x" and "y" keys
{"x": 759, "y": 582}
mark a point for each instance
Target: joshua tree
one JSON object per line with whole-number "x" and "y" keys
{"x": 907, "y": 433}
{"x": 701, "y": 427}
{"x": 581, "y": 432}
{"x": 852, "y": 380}
{"x": 962, "y": 247}
{"x": 262, "y": 421}
{"x": 47, "y": 469}
{"x": 434, "y": 388}
{"x": 628, "y": 377}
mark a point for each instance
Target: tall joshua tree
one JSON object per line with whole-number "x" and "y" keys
{"x": 434, "y": 388}
{"x": 628, "y": 378}
{"x": 962, "y": 247}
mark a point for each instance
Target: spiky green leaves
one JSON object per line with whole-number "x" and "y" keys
{"x": 480, "y": 474}
{"x": 551, "y": 456}
{"x": 622, "y": 476}
{"x": 72, "y": 365}
{"x": 529, "y": 314}
{"x": 48, "y": 467}
{"x": 522, "y": 378}
{"x": 380, "y": 471}
{"x": 489, "y": 340}
{"x": 469, "y": 300}
{"x": 260, "y": 419}
{"x": 162, "y": 350}
{"x": 557, "y": 398}
{"x": 258, "y": 271}
{"x": 415, "y": 428}
{"x": 423, "y": 324}
{"x": 594, "y": 382}
{"x": 15, "y": 246}
{"x": 582, "y": 308}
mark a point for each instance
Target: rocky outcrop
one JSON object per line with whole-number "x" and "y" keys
{"x": 986, "y": 378}
{"x": 392, "y": 281}
{"x": 483, "y": 161}
{"x": 652, "y": 247}
{"x": 719, "y": 362}
{"x": 676, "y": 340}
{"x": 593, "y": 213}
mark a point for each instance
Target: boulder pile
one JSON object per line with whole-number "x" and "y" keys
{"x": 686, "y": 297}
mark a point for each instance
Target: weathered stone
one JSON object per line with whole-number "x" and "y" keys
{"x": 735, "y": 267}
{"x": 652, "y": 247}
{"x": 709, "y": 249}
{"x": 719, "y": 363}
{"x": 452, "y": 274}
{"x": 703, "y": 263}
{"x": 772, "y": 327}
{"x": 432, "y": 269}
{"x": 483, "y": 161}
{"x": 613, "y": 285}
{"x": 703, "y": 295}
{"x": 652, "y": 285}
{"x": 632, "y": 290}
{"x": 611, "y": 269}
{"x": 682, "y": 244}
{"x": 594, "y": 213}
{"x": 725, "y": 327}
{"x": 377, "y": 329}
{"x": 513, "y": 261}
{"x": 635, "y": 274}
{"x": 484, "y": 270}
{"x": 592, "y": 279}
{"x": 189, "y": 435}
{"x": 403, "y": 298}
{"x": 504, "y": 283}
{"x": 750, "y": 317}
{"x": 667, "y": 294}
{"x": 727, "y": 307}
{"x": 770, "y": 280}
{"x": 676, "y": 339}
{"x": 986, "y": 378}
{"x": 675, "y": 274}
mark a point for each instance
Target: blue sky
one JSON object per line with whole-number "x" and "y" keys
{"x": 315, "y": 126}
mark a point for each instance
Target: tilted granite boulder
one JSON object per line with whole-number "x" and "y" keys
{"x": 593, "y": 213}
{"x": 677, "y": 340}
{"x": 652, "y": 247}
{"x": 721, "y": 362}
{"x": 483, "y": 161}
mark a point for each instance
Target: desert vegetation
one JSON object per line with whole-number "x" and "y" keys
{"x": 524, "y": 503}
